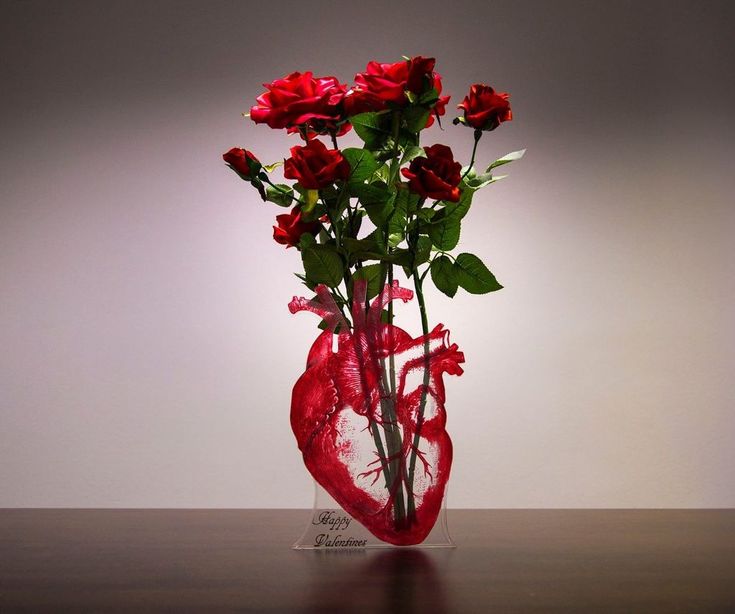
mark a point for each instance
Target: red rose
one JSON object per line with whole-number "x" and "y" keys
{"x": 301, "y": 100}
{"x": 435, "y": 176}
{"x": 484, "y": 108}
{"x": 242, "y": 162}
{"x": 440, "y": 108}
{"x": 420, "y": 75}
{"x": 385, "y": 82}
{"x": 315, "y": 167}
{"x": 382, "y": 84}
{"x": 290, "y": 228}
{"x": 359, "y": 101}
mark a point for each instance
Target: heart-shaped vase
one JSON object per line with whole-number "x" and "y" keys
{"x": 368, "y": 414}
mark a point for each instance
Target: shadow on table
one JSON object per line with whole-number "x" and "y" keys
{"x": 397, "y": 580}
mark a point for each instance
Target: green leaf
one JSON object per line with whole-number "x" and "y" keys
{"x": 269, "y": 168}
{"x": 306, "y": 241}
{"x": 314, "y": 214}
{"x": 378, "y": 212}
{"x": 330, "y": 194}
{"x": 429, "y": 98}
{"x": 311, "y": 196}
{"x": 472, "y": 181}
{"x": 412, "y": 203}
{"x": 511, "y": 157}
{"x": 397, "y": 221}
{"x": 383, "y": 173}
{"x": 323, "y": 265}
{"x": 426, "y": 214}
{"x": 445, "y": 233}
{"x": 399, "y": 256}
{"x": 358, "y": 246}
{"x": 411, "y": 152}
{"x": 406, "y": 138}
{"x": 416, "y": 118}
{"x": 403, "y": 257}
{"x": 371, "y": 193}
{"x": 373, "y": 274}
{"x": 258, "y": 185}
{"x": 281, "y": 194}
{"x": 475, "y": 182}
{"x": 305, "y": 281}
{"x": 422, "y": 251}
{"x": 371, "y": 128}
{"x": 354, "y": 226}
{"x": 444, "y": 275}
{"x": 474, "y": 276}
{"x": 458, "y": 210}
{"x": 362, "y": 162}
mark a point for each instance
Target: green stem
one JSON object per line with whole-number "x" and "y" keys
{"x": 411, "y": 504}
{"x": 391, "y": 428}
{"x": 478, "y": 136}
{"x": 395, "y": 433}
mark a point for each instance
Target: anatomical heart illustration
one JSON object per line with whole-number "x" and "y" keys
{"x": 383, "y": 455}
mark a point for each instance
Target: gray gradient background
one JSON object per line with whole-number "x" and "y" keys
{"x": 146, "y": 352}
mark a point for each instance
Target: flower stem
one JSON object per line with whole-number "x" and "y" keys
{"x": 392, "y": 432}
{"x": 411, "y": 503}
{"x": 478, "y": 136}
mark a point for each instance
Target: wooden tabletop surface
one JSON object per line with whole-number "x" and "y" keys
{"x": 240, "y": 560}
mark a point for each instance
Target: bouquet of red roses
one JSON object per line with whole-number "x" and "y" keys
{"x": 368, "y": 413}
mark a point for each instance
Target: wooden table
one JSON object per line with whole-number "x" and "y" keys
{"x": 240, "y": 560}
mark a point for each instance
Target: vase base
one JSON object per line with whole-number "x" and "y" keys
{"x": 329, "y": 527}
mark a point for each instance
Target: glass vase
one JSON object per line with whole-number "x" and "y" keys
{"x": 368, "y": 415}
{"x": 330, "y": 527}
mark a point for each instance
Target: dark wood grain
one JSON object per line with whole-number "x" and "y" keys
{"x": 240, "y": 560}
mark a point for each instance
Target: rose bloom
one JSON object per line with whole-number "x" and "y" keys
{"x": 383, "y": 84}
{"x": 301, "y": 100}
{"x": 440, "y": 108}
{"x": 315, "y": 167}
{"x": 243, "y": 162}
{"x": 290, "y": 228}
{"x": 484, "y": 108}
{"x": 435, "y": 176}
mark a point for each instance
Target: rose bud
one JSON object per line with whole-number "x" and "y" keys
{"x": 290, "y": 228}
{"x": 243, "y": 162}
{"x": 315, "y": 167}
{"x": 484, "y": 108}
{"x": 436, "y": 176}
